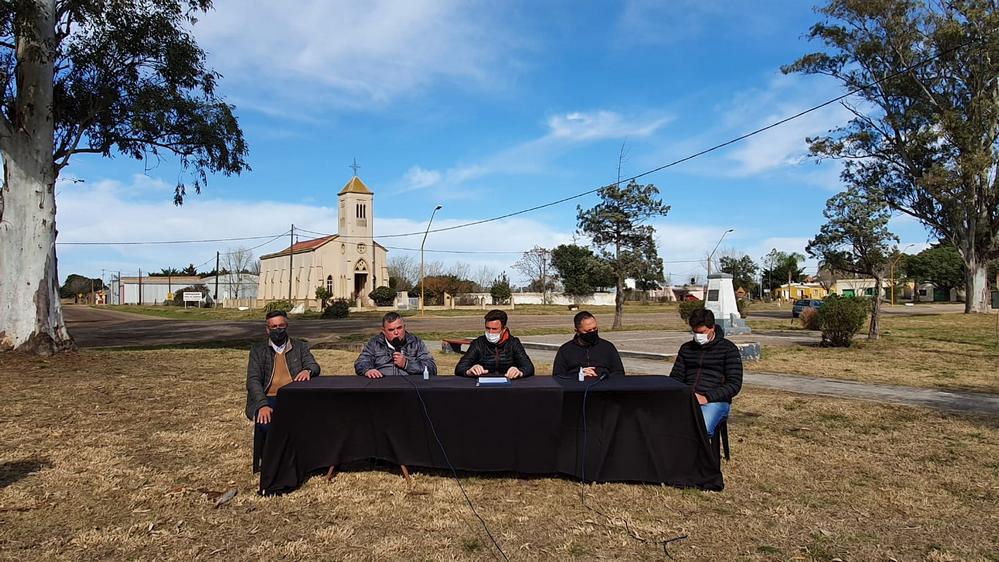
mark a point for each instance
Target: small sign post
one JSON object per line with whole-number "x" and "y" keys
{"x": 192, "y": 296}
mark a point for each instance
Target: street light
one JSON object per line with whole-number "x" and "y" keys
{"x": 437, "y": 208}
{"x": 891, "y": 273}
{"x": 712, "y": 255}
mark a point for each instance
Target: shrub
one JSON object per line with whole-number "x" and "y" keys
{"x": 339, "y": 308}
{"x": 178, "y": 295}
{"x": 743, "y": 306}
{"x": 323, "y": 296}
{"x": 500, "y": 291}
{"x": 810, "y": 319}
{"x": 686, "y": 307}
{"x": 278, "y": 305}
{"x": 840, "y": 318}
{"x": 383, "y": 296}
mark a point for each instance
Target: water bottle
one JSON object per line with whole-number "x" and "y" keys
{"x": 581, "y": 375}
{"x": 426, "y": 373}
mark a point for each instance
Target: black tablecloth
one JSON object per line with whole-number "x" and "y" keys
{"x": 638, "y": 429}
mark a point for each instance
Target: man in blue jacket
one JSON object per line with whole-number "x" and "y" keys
{"x": 712, "y": 366}
{"x": 394, "y": 352}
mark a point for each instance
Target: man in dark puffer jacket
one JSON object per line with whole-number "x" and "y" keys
{"x": 496, "y": 352}
{"x": 712, "y": 366}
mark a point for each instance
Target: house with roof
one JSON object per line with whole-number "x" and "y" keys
{"x": 349, "y": 264}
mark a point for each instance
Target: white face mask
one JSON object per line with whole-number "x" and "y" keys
{"x": 493, "y": 338}
{"x": 702, "y": 338}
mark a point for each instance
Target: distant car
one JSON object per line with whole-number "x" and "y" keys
{"x": 802, "y": 304}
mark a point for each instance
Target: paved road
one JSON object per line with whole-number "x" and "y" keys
{"x": 888, "y": 310}
{"x": 971, "y": 402}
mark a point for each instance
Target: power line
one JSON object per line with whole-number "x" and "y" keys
{"x": 157, "y": 242}
{"x": 706, "y": 150}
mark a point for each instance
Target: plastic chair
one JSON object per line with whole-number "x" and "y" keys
{"x": 720, "y": 439}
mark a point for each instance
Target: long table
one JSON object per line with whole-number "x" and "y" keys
{"x": 638, "y": 428}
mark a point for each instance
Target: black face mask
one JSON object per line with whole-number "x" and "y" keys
{"x": 279, "y": 335}
{"x": 589, "y": 338}
{"x": 397, "y": 343}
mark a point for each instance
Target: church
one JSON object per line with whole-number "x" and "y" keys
{"x": 349, "y": 264}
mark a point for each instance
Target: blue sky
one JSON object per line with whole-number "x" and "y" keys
{"x": 486, "y": 109}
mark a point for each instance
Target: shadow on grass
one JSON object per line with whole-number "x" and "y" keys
{"x": 13, "y": 471}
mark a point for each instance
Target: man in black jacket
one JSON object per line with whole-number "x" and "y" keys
{"x": 712, "y": 366}
{"x": 596, "y": 357}
{"x": 495, "y": 352}
{"x": 273, "y": 364}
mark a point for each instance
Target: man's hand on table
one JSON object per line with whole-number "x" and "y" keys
{"x": 374, "y": 374}
{"x": 264, "y": 414}
{"x": 303, "y": 376}
{"x": 476, "y": 371}
{"x": 589, "y": 371}
{"x": 514, "y": 373}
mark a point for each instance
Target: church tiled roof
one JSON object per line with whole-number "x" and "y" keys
{"x": 355, "y": 185}
{"x": 304, "y": 246}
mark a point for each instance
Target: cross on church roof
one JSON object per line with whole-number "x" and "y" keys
{"x": 354, "y": 166}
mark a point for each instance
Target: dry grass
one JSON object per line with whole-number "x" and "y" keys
{"x": 946, "y": 351}
{"x": 118, "y": 455}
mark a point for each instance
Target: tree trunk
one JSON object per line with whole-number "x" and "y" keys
{"x": 619, "y": 305}
{"x": 874, "y": 331}
{"x": 976, "y": 287}
{"x": 30, "y": 313}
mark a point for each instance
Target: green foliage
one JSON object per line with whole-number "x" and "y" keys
{"x": 500, "y": 290}
{"x": 76, "y": 284}
{"x": 779, "y": 265}
{"x": 339, "y": 308}
{"x": 840, "y": 318}
{"x": 941, "y": 265}
{"x": 130, "y": 79}
{"x": 323, "y": 295}
{"x": 277, "y": 305}
{"x": 743, "y": 271}
{"x": 383, "y": 296}
{"x": 616, "y": 226}
{"x": 687, "y": 307}
{"x": 581, "y": 272}
{"x": 178, "y": 295}
{"x": 855, "y": 237}
{"x": 925, "y": 139}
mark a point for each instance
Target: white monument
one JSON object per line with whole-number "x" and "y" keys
{"x": 721, "y": 301}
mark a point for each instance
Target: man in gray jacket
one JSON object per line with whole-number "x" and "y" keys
{"x": 394, "y": 352}
{"x": 273, "y": 364}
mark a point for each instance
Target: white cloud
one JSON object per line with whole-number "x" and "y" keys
{"x": 295, "y": 59}
{"x": 564, "y": 133}
{"x": 598, "y": 125}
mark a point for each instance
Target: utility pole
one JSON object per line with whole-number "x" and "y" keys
{"x": 140, "y": 286}
{"x": 291, "y": 262}
{"x": 216, "y": 298}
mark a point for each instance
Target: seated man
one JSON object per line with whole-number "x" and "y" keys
{"x": 394, "y": 352}
{"x": 495, "y": 352}
{"x": 596, "y": 356}
{"x": 712, "y": 366}
{"x": 273, "y": 364}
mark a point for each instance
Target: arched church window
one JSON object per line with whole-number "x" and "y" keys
{"x": 329, "y": 283}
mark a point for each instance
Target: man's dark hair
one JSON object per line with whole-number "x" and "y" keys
{"x": 579, "y": 317}
{"x": 275, "y": 313}
{"x": 496, "y": 314}
{"x": 390, "y": 317}
{"x": 701, "y": 317}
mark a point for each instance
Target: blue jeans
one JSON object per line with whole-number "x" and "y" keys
{"x": 714, "y": 413}
{"x": 272, "y": 402}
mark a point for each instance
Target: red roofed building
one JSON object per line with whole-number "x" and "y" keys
{"x": 349, "y": 264}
